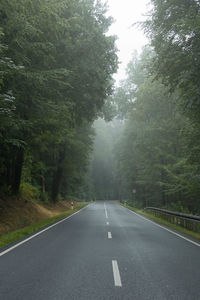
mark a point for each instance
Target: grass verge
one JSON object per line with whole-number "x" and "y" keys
{"x": 161, "y": 221}
{"x": 11, "y": 237}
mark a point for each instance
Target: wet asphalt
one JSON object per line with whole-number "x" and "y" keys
{"x": 73, "y": 260}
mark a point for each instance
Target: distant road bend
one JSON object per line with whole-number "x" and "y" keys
{"x": 103, "y": 252}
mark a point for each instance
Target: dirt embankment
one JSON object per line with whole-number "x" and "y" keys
{"x": 16, "y": 214}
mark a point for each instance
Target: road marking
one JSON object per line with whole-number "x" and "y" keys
{"x": 109, "y": 235}
{"x": 105, "y": 211}
{"x": 179, "y": 235}
{"x": 38, "y": 233}
{"x": 106, "y": 214}
{"x": 116, "y": 274}
{"x": 107, "y": 223}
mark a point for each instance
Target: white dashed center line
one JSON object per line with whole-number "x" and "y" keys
{"x": 106, "y": 214}
{"x": 105, "y": 211}
{"x": 107, "y": 223}
{"x": 109, "y": 235}
{"x": 116, "y": 274}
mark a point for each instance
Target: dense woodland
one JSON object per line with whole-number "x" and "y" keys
{"x": 57, "y": 62}
{"x": 56, "y": 73}
{"x": 159, "y": 151}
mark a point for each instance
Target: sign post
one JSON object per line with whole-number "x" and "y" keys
{"x": 72, "y": 205}
{"x": 134, "y": 197}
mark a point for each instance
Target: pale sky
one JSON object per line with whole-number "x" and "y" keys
{"x": 125, "y": 13}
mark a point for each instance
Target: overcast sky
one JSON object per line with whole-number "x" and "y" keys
{"x": 125, "y": 13}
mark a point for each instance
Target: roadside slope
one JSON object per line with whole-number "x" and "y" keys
{"x": 17, "y": 213}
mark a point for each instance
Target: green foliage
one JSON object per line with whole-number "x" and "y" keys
{"x": 68, "y": 62}
{"x": 174, "y": 28}
{"x": 137, "y": 70}
{"x": 28, "y": 191}
{"x": 102, "y": 176}
{"x": 157, "y": 150}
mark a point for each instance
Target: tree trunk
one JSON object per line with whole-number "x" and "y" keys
{"x": 163, "y": 177}
{"x": 42, "y": 184}
{"x": 163, "y": 197}
{"x": 180, "y": 197}
{"x": 17, "y": 171}
{"x": 145, "y": 202}
{"x": 57, "y": 179}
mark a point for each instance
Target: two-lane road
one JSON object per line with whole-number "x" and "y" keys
{"x": 103, "y": 252}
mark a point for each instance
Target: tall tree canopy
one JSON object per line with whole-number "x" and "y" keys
{"x": 157, "y": 153}
{"x": 68, "y": 62}
{"x": 174, "y": 28}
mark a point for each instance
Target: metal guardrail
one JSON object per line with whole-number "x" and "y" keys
{"x": 187, "y": 221}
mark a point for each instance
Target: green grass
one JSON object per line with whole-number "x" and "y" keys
{"x": 11, "y": 237}
{"x": 161, "y": 221}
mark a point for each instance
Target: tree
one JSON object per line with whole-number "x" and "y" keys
{"x": 174, "y": 28}
{"x": 8, "y": 124}
{"x": 102, "y": 176}
{"x": 153, "y": 150}
{"x": 68, "y": 63}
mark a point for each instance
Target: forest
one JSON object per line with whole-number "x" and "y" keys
{"x": 56, "y": 74}
{"x": 67, "y": 131}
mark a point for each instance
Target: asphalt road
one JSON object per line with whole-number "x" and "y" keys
{"x": 103, "y": 252}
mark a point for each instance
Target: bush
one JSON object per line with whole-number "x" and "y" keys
{"x": 28, "y": 191}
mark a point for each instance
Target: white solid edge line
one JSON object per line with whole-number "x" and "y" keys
{"x": 38, "y": 233}
{"x": 109, "y": 235}
{"x": 116, "y": 274}
{"x": 179, "y": 235}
